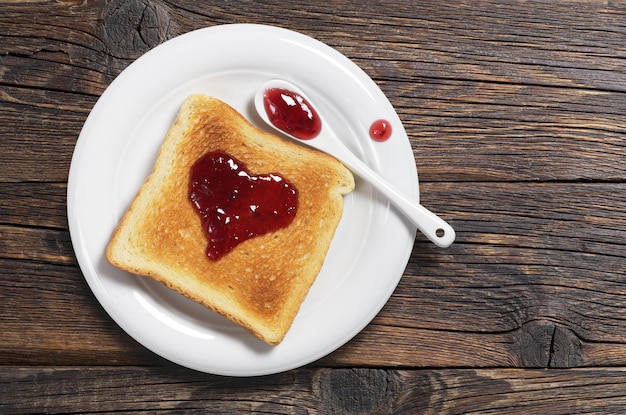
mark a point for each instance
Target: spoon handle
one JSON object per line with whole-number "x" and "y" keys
{"x": 432, "y": 226}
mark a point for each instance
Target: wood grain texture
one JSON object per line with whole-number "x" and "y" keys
{"x": 313, "y": 391}
{"x": 514, "y": 111}
{"x": 525, "y": 274}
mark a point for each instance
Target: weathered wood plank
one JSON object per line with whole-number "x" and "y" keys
{"x": 312, "y": 391}
{"x": 525, "y": 48}
{"x": 40, "y": 205}
{"x": 39, "y": 130}
{"x": 559, "y": 301}
{"x": 48, "y": 246}
{"x": 528, "y": 111}
{"x": 515, "y": 134}
{"x": 526, "y": 142}
{"x": 575, "y": 217}
{"x": 48, "y": 315}
{"x": 61, "y": 49}
{"x": 528, "y": 283}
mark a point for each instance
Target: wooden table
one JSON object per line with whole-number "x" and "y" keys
{"x": 516, "y": 112}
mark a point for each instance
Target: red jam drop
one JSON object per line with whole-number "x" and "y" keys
{"x": 380, "y": 130}
{"x": 291, "y": 113}
{"x": 235, "y": 205}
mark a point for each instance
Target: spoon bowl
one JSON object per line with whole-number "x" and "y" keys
{"x": 432, "y": 226}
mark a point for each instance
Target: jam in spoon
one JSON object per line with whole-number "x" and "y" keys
{"x": 285, "y": 108}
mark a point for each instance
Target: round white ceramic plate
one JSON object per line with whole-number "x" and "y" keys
{"x": 117, "y": 149}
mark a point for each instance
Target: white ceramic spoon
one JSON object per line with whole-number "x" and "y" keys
{"x": 431, "y": 225}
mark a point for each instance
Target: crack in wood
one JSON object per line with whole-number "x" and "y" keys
{"x": 542, "y": 343}
{"x": 551, "y": 352}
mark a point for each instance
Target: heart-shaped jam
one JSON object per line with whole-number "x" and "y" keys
{"x": 235, "y": 205}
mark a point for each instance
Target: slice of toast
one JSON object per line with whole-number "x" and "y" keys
{"x": 262, "y": 282}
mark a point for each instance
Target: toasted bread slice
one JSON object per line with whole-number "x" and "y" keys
{"x": 262, "y": 282}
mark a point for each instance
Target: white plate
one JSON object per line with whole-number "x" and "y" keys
{"x": 117, "y": 149}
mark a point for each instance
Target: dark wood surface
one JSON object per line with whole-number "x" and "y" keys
{"x": 516, "y": 112}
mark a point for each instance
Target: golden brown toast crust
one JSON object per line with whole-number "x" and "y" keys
{"x": 260, "y": 284}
